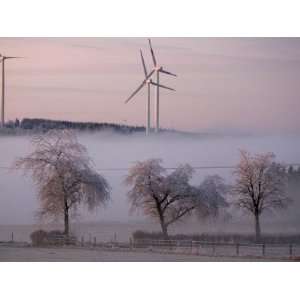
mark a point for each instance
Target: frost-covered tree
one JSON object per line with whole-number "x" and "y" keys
{"x": 169, "y": 197}
{"x": 64, "y": 175}
{"x": 213, "y": 191}
{"x": 260, "y": 185}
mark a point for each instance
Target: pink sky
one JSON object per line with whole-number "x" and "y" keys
{"x": 238, "y": 84}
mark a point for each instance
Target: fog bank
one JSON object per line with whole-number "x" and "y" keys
{"x": 18, "y": 201}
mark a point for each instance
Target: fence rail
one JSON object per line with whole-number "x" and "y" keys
{"x": 221, "y": 249}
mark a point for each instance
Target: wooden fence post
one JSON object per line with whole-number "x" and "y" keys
{"x": 214, "y": 249}
{"x": 82, "y": 241}
{"x": 12, "y": 236}
{"x": 263, "y": 249}
{"x": 95, "y": 241}
{"x": 198, "y": 249}
{"x": 237, "y": 249}
{"x": 291, "y": 250}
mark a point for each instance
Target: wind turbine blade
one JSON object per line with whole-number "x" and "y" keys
{"x": 162, "y": 86}
{"x": 152, "y": 53}
{"x": 150, "y": 74}
{"x": 143, "y": 62}
{"x": 8, "y": 57}
{"x": 167, "y": 72}
{"x": 141, "y": 86}
{"x": 136, "y": 91}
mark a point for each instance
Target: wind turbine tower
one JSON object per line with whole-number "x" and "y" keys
{"x": 157, "y": 69}
{"x": 3, "y": 59}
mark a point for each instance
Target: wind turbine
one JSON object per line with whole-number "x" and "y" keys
{"x": 3, "y": 59}
{"x": 147, "y": 81}
{"x": 157, "y": 69}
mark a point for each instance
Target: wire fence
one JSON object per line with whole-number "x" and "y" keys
{"x": 199, "y": 248}
{"x": 185, "y": 247}
{"x": 221, "y": 249}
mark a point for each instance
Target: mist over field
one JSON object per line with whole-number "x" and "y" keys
{"x": 18, "y": 200}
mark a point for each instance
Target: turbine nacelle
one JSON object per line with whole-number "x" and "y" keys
{"x": 162, "y": 70}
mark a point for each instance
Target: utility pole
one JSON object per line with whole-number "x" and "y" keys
{"x": 2, "y": 94}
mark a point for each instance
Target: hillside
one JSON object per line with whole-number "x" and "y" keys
{"x": 28, "y": 125}
{"x": 37, "y": 125}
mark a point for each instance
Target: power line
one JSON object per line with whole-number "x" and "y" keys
{"x": 128, "y": 168}
{"x": 120, "y": 169}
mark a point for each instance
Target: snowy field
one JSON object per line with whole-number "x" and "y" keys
{"x": 20, "y": 254}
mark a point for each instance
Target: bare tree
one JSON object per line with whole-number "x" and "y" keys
{"x": 64, "y": 175}
{"x": 170, "y": 198}
{"x": 260, "y": 185}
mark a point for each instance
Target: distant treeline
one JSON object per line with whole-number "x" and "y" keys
{"x": 44, "y": 125}
{"x": 37, "y": 125}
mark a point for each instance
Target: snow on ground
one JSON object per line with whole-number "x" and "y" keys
{"x": 28, "y": 254}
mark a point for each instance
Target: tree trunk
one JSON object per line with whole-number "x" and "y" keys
{"x": 257, "y": 228}
{"x": 66, "y": 219}
{"x": 164, "y": 229}
{"x": 163, "y": 225}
